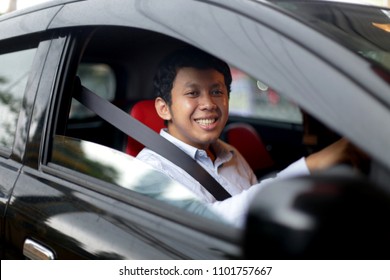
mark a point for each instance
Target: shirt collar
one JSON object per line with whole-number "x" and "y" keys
{"x": 223, "y": 151}
{"x": 188, "y": 149}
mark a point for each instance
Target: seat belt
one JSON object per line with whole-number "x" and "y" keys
{"x": 149, "y": 138}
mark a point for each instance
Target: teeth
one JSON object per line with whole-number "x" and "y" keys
{"x": 205, "y": 121}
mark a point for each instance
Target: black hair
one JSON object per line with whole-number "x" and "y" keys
{"x": 187, "y": 57}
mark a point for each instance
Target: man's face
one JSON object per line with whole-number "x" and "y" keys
{"x": 200, "y": 106}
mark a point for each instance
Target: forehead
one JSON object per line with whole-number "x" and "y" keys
{"x": 188, "y": 76}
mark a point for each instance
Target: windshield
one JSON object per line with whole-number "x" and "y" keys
{"x": 362, "y": 29}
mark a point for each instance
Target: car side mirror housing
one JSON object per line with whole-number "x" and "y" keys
{"x": 319, "y": 217}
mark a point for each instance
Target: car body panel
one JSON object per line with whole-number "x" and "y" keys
{"x": 91, "y": 228}
{"x": 28, "y": 23}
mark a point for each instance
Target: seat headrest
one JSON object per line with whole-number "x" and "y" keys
{"x": 145, "y": 112}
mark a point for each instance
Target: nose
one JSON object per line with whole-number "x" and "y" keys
{"x": 206, "y": 102}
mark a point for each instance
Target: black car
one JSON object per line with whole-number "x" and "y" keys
{"x": 305, "y": 74}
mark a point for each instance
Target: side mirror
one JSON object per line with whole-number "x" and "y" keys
{"x": 319, "y": 217}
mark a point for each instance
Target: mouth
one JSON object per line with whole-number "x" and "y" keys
{"x": 206, "y": 122}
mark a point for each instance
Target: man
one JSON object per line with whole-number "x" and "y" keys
{"x": 193, "y": 90}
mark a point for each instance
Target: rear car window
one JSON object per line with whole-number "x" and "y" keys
{"x": 99, "y": 78}
{"x": 14, "y": 72}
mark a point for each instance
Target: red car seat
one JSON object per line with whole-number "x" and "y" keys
{"x": 248, "y": 142}
{"x": 145, "y": 112}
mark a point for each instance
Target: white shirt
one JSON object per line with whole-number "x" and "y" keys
{"x": 230, "y": 169}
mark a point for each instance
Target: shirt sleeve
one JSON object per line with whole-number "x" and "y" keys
{"x": 235, "y": 208}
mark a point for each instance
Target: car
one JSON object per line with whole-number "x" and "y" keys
{"x": 305, "y": 73}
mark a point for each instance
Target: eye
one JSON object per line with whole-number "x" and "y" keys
{"x": 217, "y": 92}
{"x": 192, "y": 93}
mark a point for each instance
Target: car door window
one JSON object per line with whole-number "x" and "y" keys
{"x": 14, "y": 73}
{"x": 89, "y": 145}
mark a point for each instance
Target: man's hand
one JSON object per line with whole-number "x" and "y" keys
{"x": 342, "y": 151}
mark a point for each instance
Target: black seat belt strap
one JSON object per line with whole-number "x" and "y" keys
{"x": 150, "y": 139}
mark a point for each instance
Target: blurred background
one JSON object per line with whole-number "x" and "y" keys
{"x": 11, "y": 5}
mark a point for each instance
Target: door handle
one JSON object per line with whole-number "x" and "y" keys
{"x": 35, "y": 251}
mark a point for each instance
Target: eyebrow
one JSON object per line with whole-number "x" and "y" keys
{"x": 215, "y": 85}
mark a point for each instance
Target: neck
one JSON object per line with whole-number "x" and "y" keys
{"x": 210, "y": 153}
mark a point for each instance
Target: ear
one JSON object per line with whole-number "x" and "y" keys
{"x": 162, "y": 109}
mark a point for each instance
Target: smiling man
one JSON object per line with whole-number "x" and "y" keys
{"x": 199, "y": 106}
{"x": 192, "y": 89}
